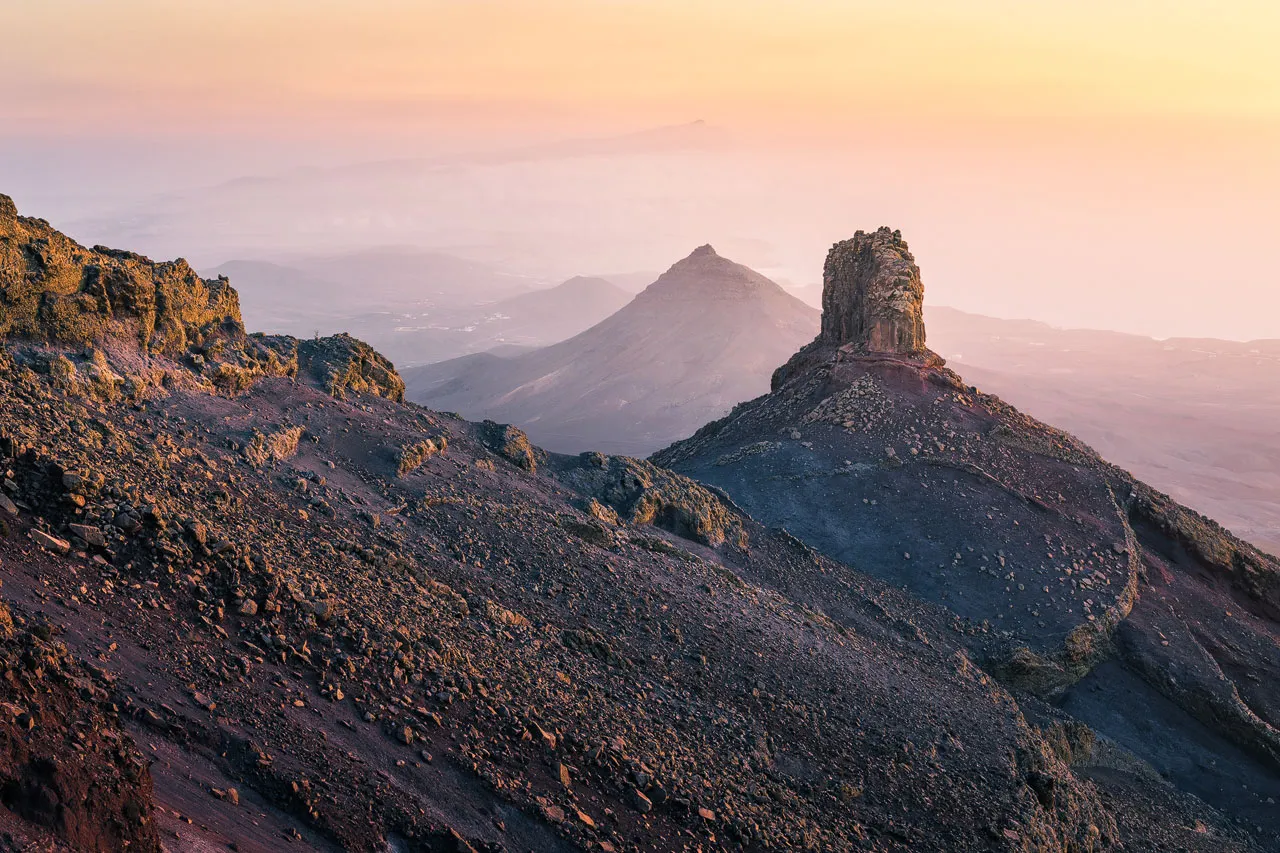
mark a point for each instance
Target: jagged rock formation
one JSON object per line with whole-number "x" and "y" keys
{"x": 642, "y": 493}
{"x": 872, "y": 295}
{"x": 344, "y": 365}
{"x": 54, "y": 290}
{"x": 332, "y": 635}
{"x": 185, "y": 329}
{"x": 703, "y": 336}
{"x": 1077, "y": 583}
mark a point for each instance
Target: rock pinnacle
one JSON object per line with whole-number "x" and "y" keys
{"x": 872, "y": 295}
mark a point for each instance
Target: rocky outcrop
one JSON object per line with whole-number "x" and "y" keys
{"x": 872, "y": 296}
{"x": 640, "y": 492}
{"x": 511, "y": 444}
{"x": 54, "y": 290}
{"x": 345, "y": 364}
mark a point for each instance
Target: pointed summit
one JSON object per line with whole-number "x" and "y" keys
{"x": 705, "y": 274}
{"x": 872, "y": 295}
{"x": 703, "y": 337}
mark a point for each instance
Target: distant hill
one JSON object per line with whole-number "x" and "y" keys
{"x": 397, "y": 274}
{"x": 703, "y": 337}
{"x": 348, "y": 283}
{"x": 416, "y": 306}
{"x": 275, "y": 296}
{"x": 560, "y": 312}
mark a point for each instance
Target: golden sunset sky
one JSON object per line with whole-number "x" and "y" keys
{"x": 811, "y": 65}
{"x": 1111, "y": 148}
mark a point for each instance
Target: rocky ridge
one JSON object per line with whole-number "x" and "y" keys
{"x": 1081, "y": 585}
{"x": 344, "y": 622}
{"x": 116, "y": 323}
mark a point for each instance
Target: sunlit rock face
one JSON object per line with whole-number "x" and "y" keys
{"x": 872, "y": 295}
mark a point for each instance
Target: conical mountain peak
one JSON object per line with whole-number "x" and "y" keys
{"x": 705, "y": 274}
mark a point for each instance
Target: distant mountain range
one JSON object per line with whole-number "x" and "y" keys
{"x": 703, "y": 337}
{"x": 418, "y": 307}
{"x": 1198, "y": 418}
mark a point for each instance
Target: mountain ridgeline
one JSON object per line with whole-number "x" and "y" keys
{"x": 333, "y": 620}
{"x": 705, "y": 335}
{"x": 1078, "y": 584}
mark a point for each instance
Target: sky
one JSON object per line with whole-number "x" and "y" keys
{"x": 1130, "y": 150}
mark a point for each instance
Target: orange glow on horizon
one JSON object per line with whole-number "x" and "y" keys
{"x": 812, "y": 65}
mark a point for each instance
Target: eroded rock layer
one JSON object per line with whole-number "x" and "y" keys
{"x": 872, "y": 295}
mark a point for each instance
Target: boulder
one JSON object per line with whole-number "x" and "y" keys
{"x": 51, "y": 543}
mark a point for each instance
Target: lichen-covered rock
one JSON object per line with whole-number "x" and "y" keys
{"x": 344, "y": 364}
{"x": 511, "y": 444}
{"x": 54, "y": 290}
{"x": 56, "y": 293}
{"x": 266, "y": 449}
{"x": 872, "y": 295}
{"x": 642, "y": 493}
{"x": 411, "y": 456}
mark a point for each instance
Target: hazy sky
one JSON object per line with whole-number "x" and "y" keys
{"x": 1153, "y": 125}
{"x": 173, "y": 67}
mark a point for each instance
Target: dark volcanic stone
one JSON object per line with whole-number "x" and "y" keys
{"x": 1074, "y": 581}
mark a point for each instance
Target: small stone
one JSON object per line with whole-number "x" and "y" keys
{"x": 91, "y": 535}
{"x": 248, "y": 607}
{"x": 127, "y": 522}
{"x": 51, "y": 543}
{"x": 547, "y": 738}
{"x": 640, "y": 802}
